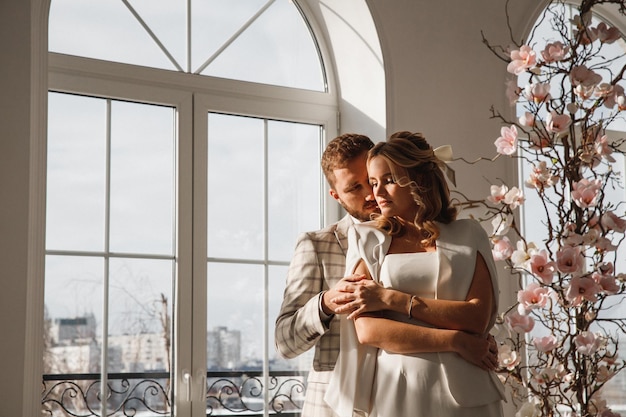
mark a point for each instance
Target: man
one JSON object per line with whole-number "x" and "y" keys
{"x": 318, "y": 264}
{"x": 316, "y": 276}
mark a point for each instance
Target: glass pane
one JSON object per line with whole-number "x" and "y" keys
{"x": 235, "y": 187}
{"x": 294, "y": 181}
{"x": 276, "y": 49}
{"x": 102, "y": 29}
{"x": 76, "y": 173}
{"x": 235, "y": 306}
{"x": 142, "y": 178}
{"x": 73, "y": 308}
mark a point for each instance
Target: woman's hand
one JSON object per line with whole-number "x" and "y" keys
{"x": 359, "y": 296}
{"x": 478, "y": 350}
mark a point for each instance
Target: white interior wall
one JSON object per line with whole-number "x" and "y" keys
{"x": 439, "y": 79}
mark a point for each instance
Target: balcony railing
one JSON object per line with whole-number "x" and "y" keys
{"x": 232, "y": 393}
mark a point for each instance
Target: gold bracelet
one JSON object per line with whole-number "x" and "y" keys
{"x": 411, "y": 306}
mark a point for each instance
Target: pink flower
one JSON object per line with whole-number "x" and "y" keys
{"x": 546, "y": 343}
{"x": 506, "y": 144}
{"x": 542, "y": 266}
{"x": 501, "y": 224}
{"x": 521, "y": 256}
{"x": 514, "y": 198}
{"x": 617, "y": 93}
{"x": 557, "y": 123}
{"x": 540, "y": 177}
{"x": 532, "y": 297}
{"x": 554, "y": 52}
{"x": 520, "y": 323}
{"x": 581, "y": 75}
{"x": 585, "y": 193}
{"x": 570, "y": 237}
{"x": 527, "y": 119}
{"x": 581, "y": 289}
{"x": 608, "y": 283}
{"x": 607, "y": 35}
{"x": 521, "y": 60}
{"x": 508, "y": 358}
{"x": 569, "y": 260}
{"x": 539, "y": 141}
{"x": 587, "y": 343}
{"x": 603, "y": 149}
{"x": 621, "y": 102}
{"x": 502, "y": 248}
{"x": 497, "y": 193}
{"x": 611, "y": 221}
{"x": 537, "y": 92}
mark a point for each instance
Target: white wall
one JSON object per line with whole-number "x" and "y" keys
{"x": 440, "y": 80}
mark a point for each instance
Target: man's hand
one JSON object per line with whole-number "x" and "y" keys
{"x": 329, "y": 305}
{"x": 358, "y": 296}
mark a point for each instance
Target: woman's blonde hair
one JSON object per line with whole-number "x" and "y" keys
{"x": 413, "y": 164}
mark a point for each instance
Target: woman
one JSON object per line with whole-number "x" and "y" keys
{"x": 436, "y": 272}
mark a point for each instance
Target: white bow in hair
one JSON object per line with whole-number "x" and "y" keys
{"x": 444, "y": 153}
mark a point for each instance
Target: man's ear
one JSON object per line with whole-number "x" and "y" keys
{"x": 334, "y": 194}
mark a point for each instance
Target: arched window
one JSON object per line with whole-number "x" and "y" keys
{"x": 184, "y": 141}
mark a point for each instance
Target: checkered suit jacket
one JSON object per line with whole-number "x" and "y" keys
{"x": 318, "y": 263}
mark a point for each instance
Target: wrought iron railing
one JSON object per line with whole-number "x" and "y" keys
{"x": 149, "y": 394}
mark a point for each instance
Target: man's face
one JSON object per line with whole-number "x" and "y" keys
{"x": 352, "y": 189}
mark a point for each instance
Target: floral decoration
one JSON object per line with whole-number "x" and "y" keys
{"x": 559, "y": 342}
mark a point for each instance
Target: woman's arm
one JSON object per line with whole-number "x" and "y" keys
{"x": 472, "y": 315}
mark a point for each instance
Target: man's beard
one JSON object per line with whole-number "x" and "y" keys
{"x": 365, "y": 212}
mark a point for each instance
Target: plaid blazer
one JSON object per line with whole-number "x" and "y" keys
{"x": 317, "y": 264}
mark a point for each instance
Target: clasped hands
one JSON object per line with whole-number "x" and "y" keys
{"x": 356, "y": 294}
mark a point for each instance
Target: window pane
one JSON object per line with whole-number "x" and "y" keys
{"x": 235, "y": 187}
{"x": 142, "y": 178}
{"x": 73, "y": 303}
{"x": 76, "y": 173}
{"x": 270, "y": 52}
{"x": 234, "y": 316}
{"x": 102, "y": 29}
{"x": 294, "y": 182}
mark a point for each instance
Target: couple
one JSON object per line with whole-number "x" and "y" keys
{"x": 403, "y": 332}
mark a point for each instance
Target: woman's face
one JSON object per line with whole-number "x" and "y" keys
{"x": 392, "y": 199}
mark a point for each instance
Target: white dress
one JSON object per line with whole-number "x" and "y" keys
{"x": 416, "y": 385}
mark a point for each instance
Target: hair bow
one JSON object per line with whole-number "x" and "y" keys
{"x": 444, "y": 153}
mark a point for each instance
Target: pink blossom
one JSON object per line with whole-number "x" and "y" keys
{"x": 542, "y": 266}
{"x": 527, "y": 119}
{"x": 506, "y": 144}
{"x": 603, "y": 90}
{"x": 540, "y": 177}
{"x": 606, "y": 268}
{"x": 603, "y": 149}
{"x": 603, "y": 244}
{"x": 557, "y": 123}
{"x": 585, "y": 192}
{"x": 532, "y": 297}
{"x": 508, "y": 358}
{"x": 497, "y": 193}
{"x": 587, "y": 343}
{"x": 514, "y": 198}
{"x": 521, "y": 60}
{"x": 611, "y": 221}
{"x": 502, "y": 248}
{"x": 587, "y": 36}
{"x": 621, "y": 102}
{"x": 581, "y": 289}
{"x": 613, "y": 98}
{"x": 607, "y": 35}
{"x": 546, "y": 343}
{"x": 608, "y": 283}
{"x": 501, "y": 224}
{"x": 520, "y": 323}
{"x": 539, "y": 141}
{"x": 569, "y": 260}
{"x": 581, "y": 75}
{"x": 521, "y": 256}
{"x": 604, "y": 373}
{"x": 537, "y": 92}
{"x": 570, "y": 237}
{"x": 554, "y": 52}
{"x": 584, "y": 91}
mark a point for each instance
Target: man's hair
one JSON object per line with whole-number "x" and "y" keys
{"x": 341, "y": 150}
